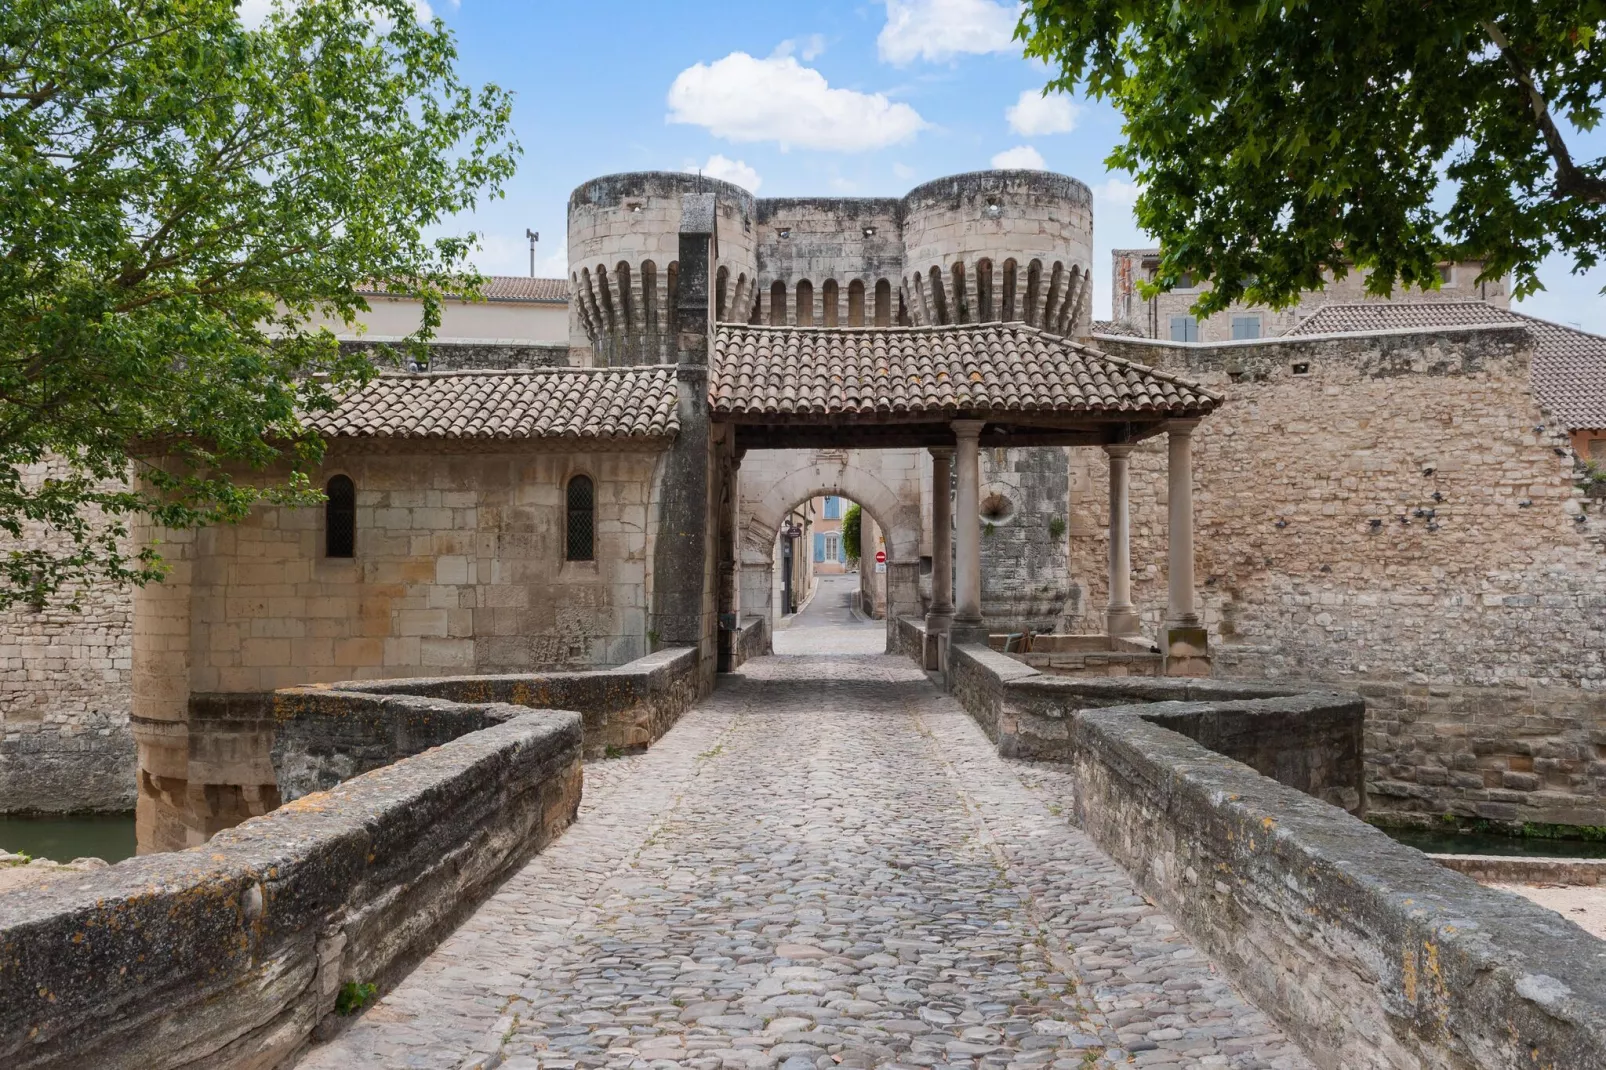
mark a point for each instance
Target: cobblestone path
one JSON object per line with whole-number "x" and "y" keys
{"x": 825, "y": 865}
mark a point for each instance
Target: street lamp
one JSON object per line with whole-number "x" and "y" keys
{"x": 534, "y": 237}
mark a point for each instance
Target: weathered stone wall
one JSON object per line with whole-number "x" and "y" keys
{"x": 460, "y": 566}
{"x": 1367, "y": 952}
{"x": 1026, "y": 578}
{"x": 626, "y": 708}
{"x": 65, "y": 743}
{"x": 233, "y": 954}
{"x": 1473, "y": 626}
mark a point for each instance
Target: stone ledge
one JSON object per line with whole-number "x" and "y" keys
{"x": 1367, "y": 952}
{"x": 233, "y": 953}
{"x": 627, "y": 707}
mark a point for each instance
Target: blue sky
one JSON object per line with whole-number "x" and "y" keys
{"x": 858, "y": 98}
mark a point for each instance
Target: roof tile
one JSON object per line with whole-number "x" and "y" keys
{"x": 602, "y": 404}
{"x": 942, "y": 371}
{"x": 1569, "y": 365}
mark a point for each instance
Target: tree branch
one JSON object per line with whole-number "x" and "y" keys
{"x": 1570, "y": 180}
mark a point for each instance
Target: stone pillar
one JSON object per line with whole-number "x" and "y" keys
{"x": 940, "y": 617}
{"x": 1120, "y": 616}
{"x": 685, "y": 556}
{"x": 968, "y": 626}
{"x": 1186, "y": 646}
{"x": 730, "y": 563}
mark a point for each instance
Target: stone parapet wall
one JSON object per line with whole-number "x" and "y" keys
{"x": 626, "y": 708}
{"x": 1476, "y": 631}
{"x": 752, "y": 641}
{"x": 1366, "y": 951}
{"x": 234, "y": 953}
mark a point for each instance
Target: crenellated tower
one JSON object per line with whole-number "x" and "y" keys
{"x": 624, "y": 233}
{"x": 999, "y": 246}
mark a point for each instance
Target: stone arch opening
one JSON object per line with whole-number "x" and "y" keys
{"x": 883, "y": 303}
{"x": 784, "y": 479}
{"x": 805, "y": 303}
{"x": 856, "y": 303}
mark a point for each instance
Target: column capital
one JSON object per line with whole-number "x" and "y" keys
{"x": 941, "y": 453}
{"x": 1180, "y": 427}
{"x": 967, "y": 428}
{"x": 1119, "y": 449}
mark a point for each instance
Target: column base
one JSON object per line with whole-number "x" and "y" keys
{"x": 968, "y": 630}
{"x": 939, "y": 623}
{"x": 1122, "y": 621}
{"x": 1186, "y": 648}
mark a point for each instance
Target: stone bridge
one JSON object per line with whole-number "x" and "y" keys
{"x": 832, "y": 861}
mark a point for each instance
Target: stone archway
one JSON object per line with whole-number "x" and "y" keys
{"x": 885, "y": 483}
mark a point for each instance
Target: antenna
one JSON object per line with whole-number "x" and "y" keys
{"x": 534, "y": 237}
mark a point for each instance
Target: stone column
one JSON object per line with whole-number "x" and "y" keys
{"x": 1120, "y": 616}
{"x": 1187, "y": 643}
{"x": 968, "y": 626}
{"x": 1180, "y": 610}
{"x": 940, "y": 617}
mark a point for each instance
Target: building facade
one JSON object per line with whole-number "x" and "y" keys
{"x": 1398, "y": 504}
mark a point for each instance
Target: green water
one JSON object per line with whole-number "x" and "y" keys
{"x": 1451, "y": 842}
{"x": 62, "y": 839}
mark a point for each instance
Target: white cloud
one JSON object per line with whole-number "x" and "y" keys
{"x": 936, "y": 30}
{"x": 740, "y": 98}
{"x": 1021, "y": 156}
{"x": 507, "y": 254}
{"x": 727, "y": 170}
{"x": 903, "y": 171}
{"x": 1034, "y": 114}
{"x": 808, "y": 47}
{"x": 1117, "y": 192}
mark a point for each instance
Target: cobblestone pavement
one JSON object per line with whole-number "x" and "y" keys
{"x": 824, "y": 865}
{"x": 828, "y": 624}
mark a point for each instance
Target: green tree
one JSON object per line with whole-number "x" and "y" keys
{"x": 181, "y": 199}
{"x": 1273, "y": 140}
{"x": 852, "y": 524}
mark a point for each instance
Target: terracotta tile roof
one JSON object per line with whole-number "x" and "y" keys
{"x": 515, "y": 288}
{"x": 1569, "y": 365}
{"x": 1122, "y": 330}
{"x": 942, "y": 371}
{"x": 617, "y": 404}
{"x": 1398, "y": 316}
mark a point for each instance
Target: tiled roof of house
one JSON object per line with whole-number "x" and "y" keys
{"x": 909, "y": 371}
{"x": 515, "y": 288}
{"x": 601, "y": 404}
{"x": 1569, "y": 365}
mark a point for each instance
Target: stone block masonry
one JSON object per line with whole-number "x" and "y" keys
{"x": 1368, "y": 953}
{"x": 234, "y": 953}
{"x": 1394, "y": 514}
{"x": 65, "y": 743}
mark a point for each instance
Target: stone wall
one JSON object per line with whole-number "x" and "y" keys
{"x": 232, "y": 955}
{"x": 1392, "y": 514}
{"x": 460, "y": 567}
{"x": 65, "y": 743}
{"x": 1365, "y": 951}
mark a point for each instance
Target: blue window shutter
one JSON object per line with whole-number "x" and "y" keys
{"x": 833, "y": 508}
{"x": 819, "y": 546}
{"x": 842, "y": 551}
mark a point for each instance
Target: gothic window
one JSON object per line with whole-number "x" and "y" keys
{"x": 340, "y": 518}
{"x": 580, "y": 520}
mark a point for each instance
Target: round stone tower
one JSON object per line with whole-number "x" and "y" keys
{"x": 999, "y": 245}
{"x": 624, "y": 245}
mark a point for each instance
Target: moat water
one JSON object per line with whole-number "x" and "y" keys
{"x": 1432, "y": 841}
{"x": 62, "y": 839}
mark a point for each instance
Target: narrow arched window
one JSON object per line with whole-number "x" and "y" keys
{"x": 581, "y": 520}
{"x": 340, "y": 518}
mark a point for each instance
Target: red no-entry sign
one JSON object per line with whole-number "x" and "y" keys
{"x": 880, "y": 557}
